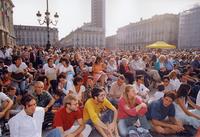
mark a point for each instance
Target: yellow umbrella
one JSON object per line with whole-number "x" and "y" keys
{"x": 161, "y": 45}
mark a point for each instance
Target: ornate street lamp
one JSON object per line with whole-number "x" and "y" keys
{"x": 47, "y": 20}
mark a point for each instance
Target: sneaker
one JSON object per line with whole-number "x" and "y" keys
{"x": 143, "y": 132}
{"x": 133, "y": 133}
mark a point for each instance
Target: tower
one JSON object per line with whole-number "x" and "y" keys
{"x": 98, "y": 13}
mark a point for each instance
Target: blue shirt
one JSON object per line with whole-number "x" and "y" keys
{"x": 157, "y": 111}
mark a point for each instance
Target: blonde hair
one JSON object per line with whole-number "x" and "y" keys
{"x": 128, "y": 101}
{"x": 68, "y": 99}
{"x": 162, "y": 58}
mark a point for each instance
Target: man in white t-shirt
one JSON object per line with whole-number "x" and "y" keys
{"x": 50, "y": 69}
{"x": 18, "y": 73}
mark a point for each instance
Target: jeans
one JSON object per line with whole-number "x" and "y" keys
{"x": 106, "y": 117}
{"x": 127, "y": 124}
{"x": 20, "y": 86}
{"x": 54, "y": 133}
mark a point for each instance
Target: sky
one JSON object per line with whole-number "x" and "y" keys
{"x": 74, "y": 13}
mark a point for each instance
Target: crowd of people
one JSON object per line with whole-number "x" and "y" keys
{"x": 115, "y": 93}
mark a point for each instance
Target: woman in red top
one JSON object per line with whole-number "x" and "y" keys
{"x": 130, "y": 109}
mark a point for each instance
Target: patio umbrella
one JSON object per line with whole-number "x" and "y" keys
{"x": 161, "y": 45}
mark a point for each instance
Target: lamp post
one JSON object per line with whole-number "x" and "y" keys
{"x": 47, "y": 20}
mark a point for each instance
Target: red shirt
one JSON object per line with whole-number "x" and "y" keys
{"x": 66, "y": 120}
{"x": 125, "y": 113}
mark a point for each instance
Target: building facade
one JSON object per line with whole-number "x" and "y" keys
{"x": 91, "y": 34}
{"x": 158, "y": 28}
{"x": 111, "y": 42}
{"x": 7, "y": 37}
{"x": 84, "y": 37}
{"x": 189, "y": 28}
{"x": 34, "y": 35}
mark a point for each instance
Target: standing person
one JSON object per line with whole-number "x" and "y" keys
{"x": 131, "y": 108}
{"x": 93, "y": 111}
{"x": 161, "y": 109}
{"x": 66, "y": 116}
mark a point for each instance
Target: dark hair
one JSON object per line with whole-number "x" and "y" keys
{"x": 42, "y": 78}
{"x": 96, "y": 91}
{"x": 183, "y": 90}
{"x": 61, "y": 75}
{"x": 26, "y": 99}
{"x": 58, "y": 92}
{"x": 77, "y": 79}
{"x": 161, "y": 87}
{"x": 10, "y": 88}
{"x": 165, "y": 77}
{"x": 49, "y": 59}
{"x": 139, "y": 77}
{"x": 98, "y": 59}
{"x": 16, "y": 58}
{"x": 170, "y": 95}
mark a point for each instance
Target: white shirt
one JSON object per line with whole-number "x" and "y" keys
{"x": 176, "y": 82}
{"x": 61, "y": 68}
{"x": 3, "y": 97}
{"x": 137, "y": 64}
{"x": 23, "y": 125}
{"x": 198, "y": 99}
{"x": 14, "y": 68}
{"x": 51, "y": 73}
{"x": 142, "y": 91}
{"x": 78, "y": 94}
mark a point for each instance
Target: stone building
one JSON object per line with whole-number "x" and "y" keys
{"x": 189, "y": 28}
{"x": 34, "y": 35}
{"x": 7, "y": 37}
{"x": 158, "y": 28}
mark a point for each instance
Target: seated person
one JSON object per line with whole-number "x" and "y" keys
{"x": 95, "y": 111}
{"x": 141, "y": 90}
{"x": 89, "y": 85}
{"x": 66, "y": 116}
{"x": 117, "y": 89}
{"x": 168, "y": 86}
{"x": 43, "y": 98}
{"x": 182, "y": 111}
{"x": 5, "y": 105}
{"x": 161, "y": 109}
{"x": 11, "y": 93}
{"x": 58, "y": 96}
{"x": 130, "y": 109}
{"x": 158, "y": 94}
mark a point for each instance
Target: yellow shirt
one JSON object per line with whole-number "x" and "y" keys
{"x": 93, "y": 110}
